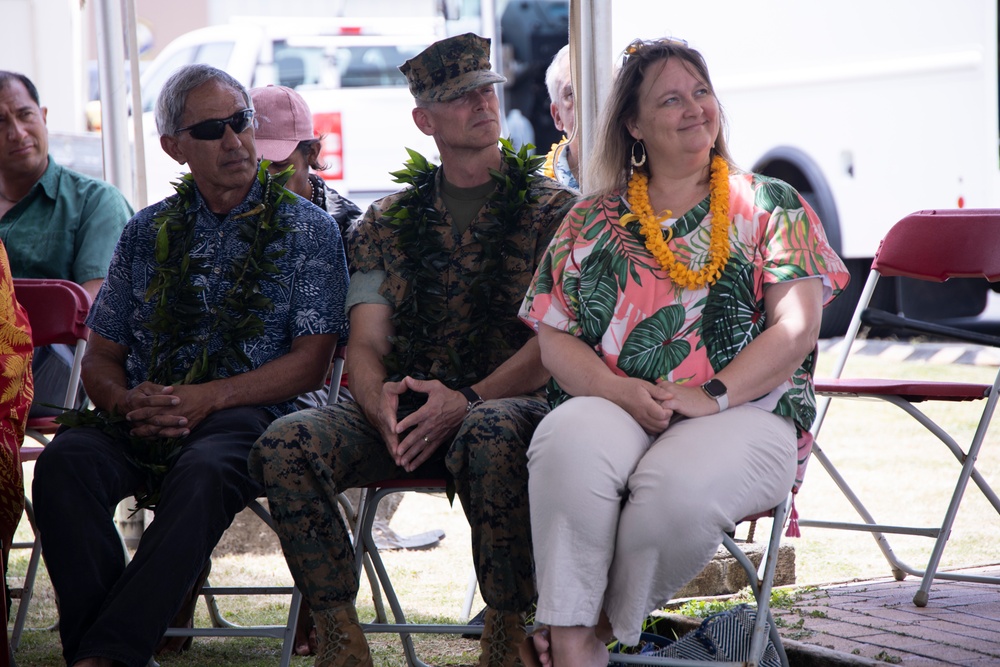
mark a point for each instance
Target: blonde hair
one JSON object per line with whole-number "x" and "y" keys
{"x": 608, "y": 168}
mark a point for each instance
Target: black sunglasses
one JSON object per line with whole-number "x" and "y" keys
{"x": 209, "y": 130}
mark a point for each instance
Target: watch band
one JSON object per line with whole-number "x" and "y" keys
{"x": 472, "y": 397}
{"x": 717, "y": 391}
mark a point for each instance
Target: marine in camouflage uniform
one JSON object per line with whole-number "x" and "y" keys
{"x": 306, "y": 459}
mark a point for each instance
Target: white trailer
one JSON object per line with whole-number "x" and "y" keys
{"x": 873, "y": 109}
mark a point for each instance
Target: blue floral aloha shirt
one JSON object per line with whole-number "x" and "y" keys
{"x": 308, "y": 296}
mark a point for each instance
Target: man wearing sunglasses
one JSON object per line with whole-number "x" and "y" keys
{"x": 222, "y": 304}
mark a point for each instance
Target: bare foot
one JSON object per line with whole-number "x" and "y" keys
{"x": 305, "y": 646}
{"x": 536, "y": 650}
{"x": 305, "y": 632}
{"x": 576, "y": 646}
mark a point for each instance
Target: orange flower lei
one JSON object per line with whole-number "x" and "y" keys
{"x": 718, "y": 249}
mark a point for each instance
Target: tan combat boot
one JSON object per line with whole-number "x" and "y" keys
{"x": 341, "y": 641}
{"x": 503, "y": 633}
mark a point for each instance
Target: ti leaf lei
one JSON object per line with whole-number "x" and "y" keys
{"x": 423, "y": 311}
{"x": 179, "y": 314}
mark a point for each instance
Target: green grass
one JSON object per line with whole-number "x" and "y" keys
{"x": 904, "y": 475}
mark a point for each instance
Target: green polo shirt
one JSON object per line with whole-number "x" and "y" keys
{"x": 65, "y": 228}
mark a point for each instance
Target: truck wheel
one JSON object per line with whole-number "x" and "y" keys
{"x": 837, "y": 315}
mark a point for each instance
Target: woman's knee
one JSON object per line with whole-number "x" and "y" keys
{"x": 583, "y": 433}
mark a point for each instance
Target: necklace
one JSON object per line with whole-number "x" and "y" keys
{"x": 423, "y": 310}
{"x": 180, "y": 309}
{"x": 718, "y": 248}
{"x": 318, "y": 192}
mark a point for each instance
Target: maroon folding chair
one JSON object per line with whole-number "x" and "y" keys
{"x": 57, "y": 311}
{"x": 930, "y": 246}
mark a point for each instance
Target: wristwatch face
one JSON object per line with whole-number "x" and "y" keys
{"x": 714, "y": 388}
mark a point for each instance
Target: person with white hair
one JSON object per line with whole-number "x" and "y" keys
{"x": 563, "y": 160}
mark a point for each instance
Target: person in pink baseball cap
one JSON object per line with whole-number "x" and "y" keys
{"x": 284, "y": 135}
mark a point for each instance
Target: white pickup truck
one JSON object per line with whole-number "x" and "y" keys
{"x": 345, "y": 69}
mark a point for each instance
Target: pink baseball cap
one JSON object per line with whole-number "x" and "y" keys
{"x": 283, "y": 120}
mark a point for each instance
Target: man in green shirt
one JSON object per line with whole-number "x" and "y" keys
{"x": 54, "y": 222}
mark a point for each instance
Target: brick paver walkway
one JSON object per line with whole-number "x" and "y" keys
{"x": 877, "y": 620}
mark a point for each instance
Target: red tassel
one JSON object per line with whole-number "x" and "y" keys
{"x": 793, "y": 522}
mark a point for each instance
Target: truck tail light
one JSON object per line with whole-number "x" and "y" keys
{"x": 328, "y": 126}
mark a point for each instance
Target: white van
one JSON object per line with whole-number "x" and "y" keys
{"x": 873, "y": 110}
{"x": 345, "y": 69}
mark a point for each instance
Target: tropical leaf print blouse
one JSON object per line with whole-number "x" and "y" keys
{"x": 597, "y": 281}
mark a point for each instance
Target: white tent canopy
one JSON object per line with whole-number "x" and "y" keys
{"x": 115, "y": 19}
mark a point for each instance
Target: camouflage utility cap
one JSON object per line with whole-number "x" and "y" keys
{"x": 450, "y": 68}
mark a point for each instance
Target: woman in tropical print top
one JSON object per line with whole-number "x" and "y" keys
{"x": 681, "y": 349}
{"x": 16, "y": 392}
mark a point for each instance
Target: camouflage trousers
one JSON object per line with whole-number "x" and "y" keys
{"x": 304, "y": 460}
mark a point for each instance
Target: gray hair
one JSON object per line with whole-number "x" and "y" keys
{"x": 557, "y": 73}
{"x": 173, "y": 98}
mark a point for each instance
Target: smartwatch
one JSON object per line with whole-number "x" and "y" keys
{"x": 475, "y": 399}
{"x": 717, "y": 391}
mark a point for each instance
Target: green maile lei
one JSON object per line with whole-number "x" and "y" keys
{"x": 423, "y": 310}
{"x": 179, "y": 312}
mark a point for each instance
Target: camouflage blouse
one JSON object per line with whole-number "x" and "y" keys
{"x": 375, "y": 248}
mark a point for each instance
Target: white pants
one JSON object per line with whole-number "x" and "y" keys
{"x": 621, "y": 520}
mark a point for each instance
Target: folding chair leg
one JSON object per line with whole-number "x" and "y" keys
{"x": 760, "y": 580}
{"x": 896, "y": 566}
{"x": 28, "y": 588}
{"x": 288, "y": 638}
{"x": 968, "y": 470}
{"x": 940, "y": 535}
{"x": 761, "y": 584}
{"x": 366, "y": 547}
{"x": 353, "y": 515}
{"x": 397, "y": 611}
{"x": 224, "y": 628}
{"x": 368, "y": 554}
{"x": 6, "y": 653}
{"x": 470, "y": 594}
